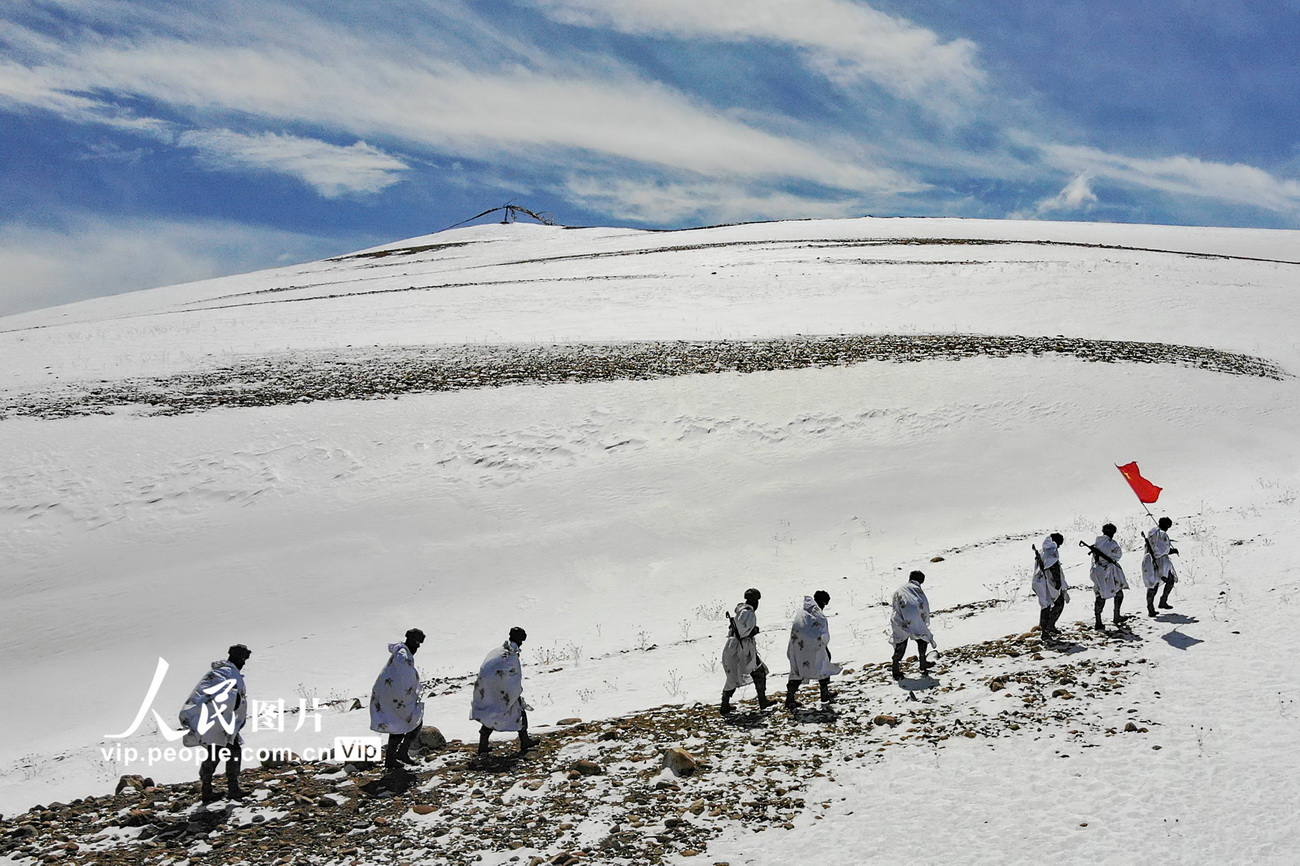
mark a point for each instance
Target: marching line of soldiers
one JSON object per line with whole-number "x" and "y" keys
{"x": 216, "y": 712}
{"x": 809, "y": 647}
{"x": 808, "y": 650}
{"x": 498, "y": 705}
{"x": 1106, "y": 574}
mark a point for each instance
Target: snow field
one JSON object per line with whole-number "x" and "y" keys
{"x": 617, "y": 520}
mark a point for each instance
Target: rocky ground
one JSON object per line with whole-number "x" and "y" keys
{"x": 386, "y": 373}
{"x": 631, "y": 790}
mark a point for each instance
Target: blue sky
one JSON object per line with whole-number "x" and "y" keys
{"x": 144, "y": 143}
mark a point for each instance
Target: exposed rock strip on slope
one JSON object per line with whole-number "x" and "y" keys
{"x": 358, "y": 375}
{"x": 598, "y": 792}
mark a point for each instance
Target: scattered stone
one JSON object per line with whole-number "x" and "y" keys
{"x": 131, "y": 780}
{"x": 138, "y": 818}
{"x": 305, "y": 376}
{"x": 432, "y": 738}
{"x": 277, "y": 759}
{"x": 680, "y": 761}
{"x": 573, "y": 720}
{"x": 587, "y": 768}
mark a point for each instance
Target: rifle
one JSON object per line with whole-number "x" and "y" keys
{"x": 1056, "y": 584}
{"x": 734, "y": 632}
{"x": 1155, "y": 559}
{"x": 1097, "y": 552}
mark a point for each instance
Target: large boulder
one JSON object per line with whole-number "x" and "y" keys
{"x": 680, "y": 761}
{"x": 431, "y": 738}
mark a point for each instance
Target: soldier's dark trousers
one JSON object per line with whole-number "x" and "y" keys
{"x": 233, "y": 756}
{"x": 900, "y": 648}
{"x": 1164, "y": 596}
{"x": 399, "y": 748}
{"x": 1100, "y": 604}
{"x": 1048, "y": 616}
{"x": 525, "y": 742}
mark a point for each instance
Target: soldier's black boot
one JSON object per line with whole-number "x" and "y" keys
{"x": 895, "y": 667}
{"x": 726, "y": 708}
{"x": 1098, "y": 605}
{"x": 234, "y": 759}
{"x": 404, "y": 748}
{"x": 233, "y": 791}
{"x": 484, "y": 734}
{"x": 926, "y": 664}
{"x": 391, "y": 751}
{"x": 207, "y": 770}
{"x": 760, "y": 686}
{"x": 826, "y": 695}
{"x": 207, "y": 795}
{"x": 1164, "y": 596}
{"x": 1151, "y": 601}
{"x": 525, "y": 742}
{"x": 1119, "y": 602}
{"x": 790, "y": 688}
{"x": 895, "y": 670}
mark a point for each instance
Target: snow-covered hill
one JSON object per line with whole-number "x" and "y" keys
{"x": 616, "y": 508}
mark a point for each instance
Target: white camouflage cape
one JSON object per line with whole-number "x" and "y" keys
{"x": 1107, "y": 579}
{"x": 498, "y": 701}
{"x": 395, "y": 705}
{"x": 810, "y": 637}
{"x": 911, "y": 616}
{"x": 1161, "y": 568}
{"x": 217, "y": 708}
{"x": 1046, "y": 589}
{"x": 739, "y": 654}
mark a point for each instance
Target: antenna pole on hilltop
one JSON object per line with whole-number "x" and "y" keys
{"x": 512, "y": 212}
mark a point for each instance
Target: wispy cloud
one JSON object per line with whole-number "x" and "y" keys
{"x": 1076, "y": 195}
{"x": 848, "y": 42}
{"x": 519, "y": 113}
{"x": 329, "y": 168}
{"x": 89, "y": 257}
{"x": 354, "y": 87}
{"x": 1183, "y": 175}
{"x": 666, "y": 203}
{"x": 47, "y": 88}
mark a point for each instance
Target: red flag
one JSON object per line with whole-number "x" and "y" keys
{"x": 1145, "y": 490}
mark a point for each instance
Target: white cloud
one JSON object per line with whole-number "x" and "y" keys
{"x": 45, "y": 267}
{"x": 518, "y": 114}
{"x": 846, "y": 41}
{"x": 1183, "y": 175}
{"x": 329, "y": 168}
{"x": 1077, "y": 194}
{"x": 48, "y": 89}
{"x": 655, "y": 203}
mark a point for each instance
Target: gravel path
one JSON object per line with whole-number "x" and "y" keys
{"x": 598, "y": 791}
